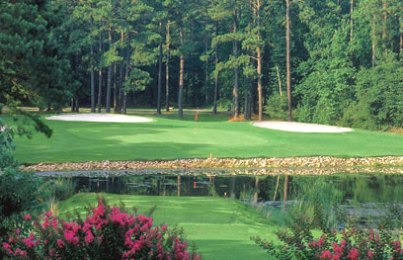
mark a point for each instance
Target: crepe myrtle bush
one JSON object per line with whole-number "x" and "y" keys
{"x": 106, "y": 233}
{"x": 348, "y": 244}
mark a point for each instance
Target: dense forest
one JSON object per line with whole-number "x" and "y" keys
{"x": 328, "y": 61}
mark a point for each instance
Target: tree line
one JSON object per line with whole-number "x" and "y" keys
{"x": 330, "y": 61}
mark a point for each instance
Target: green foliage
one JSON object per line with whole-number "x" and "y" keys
{"x": 6, "y": 147}
{"x": 318, "y": 205}
{"x": 18, "y": 192}
{"x": 58, "y": 189}
{"x": 345, "y": 67}
{"x": 347, "y": 244}
{"x": 379, "y": 97}
{"x": 276, "y": 107}
{"x": 137, "y": 80}
{"x": 325, "y": 91}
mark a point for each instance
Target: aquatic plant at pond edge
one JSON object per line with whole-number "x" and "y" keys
{"x": 106, "y": 233}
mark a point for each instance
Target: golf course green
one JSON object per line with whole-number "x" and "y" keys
{"x": 169, "y": 138}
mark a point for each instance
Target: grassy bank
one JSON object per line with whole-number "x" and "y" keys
{"x": 211, "y": 136}
{"x": 221, "y": 228}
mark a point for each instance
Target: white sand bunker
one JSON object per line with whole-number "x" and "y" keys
{"x": 112, "y": 118}
{"x": 301, "y": 127}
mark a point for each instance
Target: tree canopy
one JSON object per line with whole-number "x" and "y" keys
{"x": 339, "y": 61}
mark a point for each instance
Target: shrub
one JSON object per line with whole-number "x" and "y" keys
{"x": 18, "y": 192}
{"x": 6, "y": 147}
{"x": 277, "y": 107}
{"x": 354, "y": 244}
{"x": 59, "y": 189}
{"x": 106, "y": 233}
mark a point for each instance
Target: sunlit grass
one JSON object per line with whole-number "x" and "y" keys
{"x": 211, "y": 135}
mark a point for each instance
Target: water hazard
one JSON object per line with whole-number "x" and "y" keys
{"x": 366, "y": 197}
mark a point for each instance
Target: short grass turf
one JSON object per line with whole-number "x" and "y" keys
{"x": 220, "y": 228}
{"x": 170, "y": 138}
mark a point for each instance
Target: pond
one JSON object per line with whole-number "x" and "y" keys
{"x": 363, "y": 197}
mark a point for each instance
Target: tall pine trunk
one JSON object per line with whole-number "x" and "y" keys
{"x": 92, "y": 83}
{"x": 235, "y": 91}
{"x": 127, "y": 71}
{"x": 159, "y": 94}
{"x": 259, "y": 64}
{"x": 168, "y": 44}
{"x": 351, "y": 19}
{"x": 206, "y": 75}
{"x": 373, "y": 41}
{"x": 215, "y": 83}
{"x": 119, "y": 98}
{"x": 288, "y": 66}
{"x": 181, "y": 73}
{"x": 280, "y": 85}
{"x": 259, "y": 83}
{"x": 115, "y": 88}
{"x": 109, "y": 79}
{"x": 385, "y": 26}
{"x": 124, "y": 94}
{"x": 100, "y": 78}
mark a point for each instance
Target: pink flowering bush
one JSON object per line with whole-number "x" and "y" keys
{"x": 352, "y": 244}
{"x": 106, "y": 233}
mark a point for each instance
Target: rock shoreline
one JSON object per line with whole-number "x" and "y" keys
{"x": 261, "y": 166}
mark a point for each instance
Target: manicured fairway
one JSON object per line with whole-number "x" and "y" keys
{"x": 169, "y": 138}
{"x": 221, "y": 228}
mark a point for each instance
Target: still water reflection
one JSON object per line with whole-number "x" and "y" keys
{"x": 354, "y": 188}
{"x": 366, "y": 197}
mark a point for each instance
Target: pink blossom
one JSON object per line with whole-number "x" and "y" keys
{"x": 60, "y": 243}
{"x": 53, "y": 223}
{"x": 326, "y": 255}
{"x": 19, "y": 252}
{"x": 337, "y": 249}
{"x": 370, "y": 254}
{"x": 117, "y": 217}
{"x": 89, "y": 237}
{"x": 320, "y": 241}
{"x": 7, "y": 247}
{"x": 87, "y": 226}
{"x": 396, "y": 244}
{"x": 48, "y": 214}
{"x": 45, "y": 224}
{"x": 29, "y": 242}
{"x": 164, "y": 228}
{"x": 100, "y": 210}
{"x": 27, "y": 217}
{"x": 71, "y": 237}
{"x": 343, "y": 243}
{"x": 353, "y": 254}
